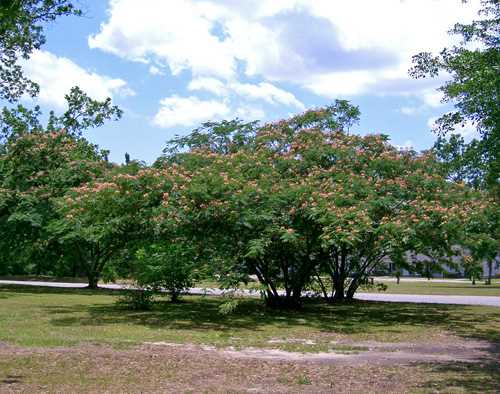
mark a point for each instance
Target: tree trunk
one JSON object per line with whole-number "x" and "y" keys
{"x": 339, "y": 286}
{"x": 292, "y": 302}
{"x": 490, "y": 269}
{"x": 352, "y": 290}
{"x": 93, "y": 274}
{"x": 73, "y": 269}
{"x": 296, "y": 296}
{"x": 93, "y": 280}
{"x": 323, "y": 288}
{"x": 174, "y": 296}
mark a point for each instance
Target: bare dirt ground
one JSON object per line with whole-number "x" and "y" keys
{"x": 168, "y": 368}
{"x": 376, "y": 352}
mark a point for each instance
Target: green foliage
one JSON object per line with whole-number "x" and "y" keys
{"x": 472, "y": 268}
{"x": 462, "y": 162}
{"x": 339, "y": 116}
{"x": 34, "y": 169}
{"x": 141, "y": 299}
{"x": 228, "y": 137}
{"x": 298, "y": 201}
{"x": 21, "y": 32}
{"x": 483, "y": 236}
{"x": 166, "y": 267}
{"x": 105, "y": 217}
{"x": 474, "y": 87}
{"x": 83, "y": 113}
{"x": 219, "y": 137}
{"x": 228, "y": 307}
{"x": 18, "y": 121}
{"x": 37, "y": 165}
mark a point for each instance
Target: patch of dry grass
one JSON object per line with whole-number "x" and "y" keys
{"x": 102, "y": 369}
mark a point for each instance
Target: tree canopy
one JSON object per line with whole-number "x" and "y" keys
{"x": 21, "y": 32}
{"x": 299, "y": 203}
{"x": 474, "y": 88}
{"x": 39, "y": 164}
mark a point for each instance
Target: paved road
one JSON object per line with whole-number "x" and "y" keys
{"x": 415, "y": 298}
{"x": 413, "y": 279}
{"x": 431, "y": 299}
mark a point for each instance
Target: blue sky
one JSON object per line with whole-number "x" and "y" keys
{"x": 171, "y": 65}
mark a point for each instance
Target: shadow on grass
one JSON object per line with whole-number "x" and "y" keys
{"x": 198, "y": 313}
{"x": 7, "y": 289}
{"x": 44, "y": 278}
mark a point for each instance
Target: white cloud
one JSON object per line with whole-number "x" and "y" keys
{"x": 176, "y": 32}
{"x": 332, "y": 48}
{"x": 398, "y": 29}
{"x": 250, "y": 113}
{"x": 410, "y": 111}
{"x": 211, "y": 85}
{"x": 247, "y": 91}
{"x": 153, "y": 70}
{"x": 467, "y": 130}
{"x": 57, "y": 75}
{"x": 341, "y": 83}
{"x": 431, "y": 121}
{"x": 433, "y": 98}
{"x": 188, "y": 111}
{"x": 267, "y": 92}
{"x": 430, "y": 98}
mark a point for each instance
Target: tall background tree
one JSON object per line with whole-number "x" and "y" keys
{"x": 474, "y": 90}
{"x": 37, "y": 165}
{"x": 21, "y": 32}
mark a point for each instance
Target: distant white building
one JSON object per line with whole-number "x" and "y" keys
{"x": 455, "y": 267}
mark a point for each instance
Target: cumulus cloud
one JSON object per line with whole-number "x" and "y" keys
{"x": 212, "y": 85}
{"x": 328, "y": 47}
{"x": 264, "y": 91}
{"x": 433, "y": 98}
{"x": 177, "y": 32}
{"x": 267, "y": 92}
{"x": 335, "y": 84}
{"x": 429, "y": 98}
{"x": 466, "y": 130}
{"x": 249, "y": 112}
{"x": 188, "y": 111}
{"x": 153, "y": 70}
{"x": 57, "y": 75}
{"x": 410, "y": 111}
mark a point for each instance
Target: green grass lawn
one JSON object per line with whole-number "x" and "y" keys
{"x": 430, "y": 287}
{"x": 59, "y": 317}
{"x": 458, "y": 287}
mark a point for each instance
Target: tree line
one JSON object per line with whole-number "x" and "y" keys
{"x": 299, "y": 203}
